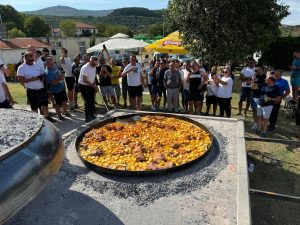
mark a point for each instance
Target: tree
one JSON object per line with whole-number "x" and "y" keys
{"x": 159, "y": 29}
{"x": 114, "y": 29}
{"x": 226, "y": 30}
{"x": 280, "y": 52}
{"x": 68, "y": 27}
{"x": 15, "y": 32}
{"x": 101, "y": 27}
{"x": 34, "y": 26}
{"x": 11, "y": 17}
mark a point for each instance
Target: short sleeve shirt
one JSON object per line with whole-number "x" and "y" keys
{"x": 29, "y": 71}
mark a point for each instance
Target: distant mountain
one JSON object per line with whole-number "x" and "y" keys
{"x": 66, "y": 11}
{"x": 136, "y": 11}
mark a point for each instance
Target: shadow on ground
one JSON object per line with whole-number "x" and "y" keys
{"x": 270, "y": 175}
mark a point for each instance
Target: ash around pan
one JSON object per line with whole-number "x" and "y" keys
{"x": 129, "y": 118}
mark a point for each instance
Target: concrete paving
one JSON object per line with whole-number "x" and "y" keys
{"x": 213, "y": 191}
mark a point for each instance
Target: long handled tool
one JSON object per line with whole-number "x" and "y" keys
{"x": 106, "y": 107}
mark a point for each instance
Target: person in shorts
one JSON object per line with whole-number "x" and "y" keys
{"x": 246, "y": 77}
{"x": 212, "y": 89}
{"x": 104, "y": 74}
{"x": 56, "y": 84}
{"x": 31, "y": 76}
{"x": 269, "y": 95}
{"x": 135, "y": 81}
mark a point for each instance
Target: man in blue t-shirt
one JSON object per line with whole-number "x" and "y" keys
{"x": 284, "y": 91}
{"x": 56, "y": 84}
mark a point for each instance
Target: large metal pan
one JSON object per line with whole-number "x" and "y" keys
{"x": 99, "y": 169}
{"x": 26, "y": 169}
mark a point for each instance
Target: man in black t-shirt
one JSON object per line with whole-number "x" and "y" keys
{"x": 104, "y": 75}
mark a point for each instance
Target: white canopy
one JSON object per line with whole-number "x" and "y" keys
{"x": 118, "y": 42}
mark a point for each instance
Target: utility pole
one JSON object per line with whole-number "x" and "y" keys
{"x": 0, "y": 18}
{"x": 163, "y": 16}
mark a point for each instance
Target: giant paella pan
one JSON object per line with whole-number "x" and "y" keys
{"x": 143, "y": 144}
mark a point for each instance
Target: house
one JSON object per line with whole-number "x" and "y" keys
{"x": 83, "y": 29}
{"x": 12, "y": 49}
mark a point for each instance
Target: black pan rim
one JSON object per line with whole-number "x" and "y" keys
{"x": 99, "y": 169}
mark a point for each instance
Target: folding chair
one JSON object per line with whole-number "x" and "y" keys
{"x": 290, "y": 105}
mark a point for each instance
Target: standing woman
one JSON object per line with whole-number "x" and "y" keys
{"x": 196, "y": 80}
{"x": 295, "y": 77}
{"x": 224, "y": 92}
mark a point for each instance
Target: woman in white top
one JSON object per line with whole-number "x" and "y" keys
{"x": 224, "y": 92}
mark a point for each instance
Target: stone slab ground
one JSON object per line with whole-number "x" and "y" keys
{"x": 213, "y": 191}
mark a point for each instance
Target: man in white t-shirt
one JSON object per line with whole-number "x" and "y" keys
{"x": 6, "y": 101}
{"x": 88, "y": 88}
{"x": 246, "y": 76}
{"x": 135, "y": 81}
{"x": 31, "y": 75}
{"x": 66, "y": 64}
{"x": 3, "y": 70}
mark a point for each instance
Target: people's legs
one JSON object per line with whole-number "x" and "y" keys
{"x": 215, "y": 105}
{"x": 221, "y": 106}
{"x": 164, "y": 92}
{"x": 274, "y": 116}
{"x": 227, "y": 108}
{"x": 242, "y": 99}
{"x": 191, "y": 106}
{"x": 169, "y": 99}
{"x": 176, "y": 100}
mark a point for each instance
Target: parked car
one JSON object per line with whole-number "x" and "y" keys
{"x": 182, "y": 57}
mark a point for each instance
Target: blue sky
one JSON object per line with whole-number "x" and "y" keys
{"x": 21, "y": 5}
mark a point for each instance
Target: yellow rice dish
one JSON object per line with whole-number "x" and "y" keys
{"x": 151, "y": 143}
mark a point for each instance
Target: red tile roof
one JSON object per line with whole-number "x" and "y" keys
{"x": 22, "y": 43}
{"x": 4, "y": 44}
{"x": 81, "y": 25}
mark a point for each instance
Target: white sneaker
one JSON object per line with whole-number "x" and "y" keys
{"x": 254, "y": 126}
{"x": 153, "y": 108}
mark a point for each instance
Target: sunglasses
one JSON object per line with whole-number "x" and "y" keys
{"x": 225, "y": 71}
{"x": 30, "y": 60}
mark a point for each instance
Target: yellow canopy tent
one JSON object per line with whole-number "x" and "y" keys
{"x": 171, "y": 44}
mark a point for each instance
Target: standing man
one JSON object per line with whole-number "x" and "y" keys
{"x": 172, "y": 82}
{"x": 246, "y": 77}
{"x": 56, "y": 84}
{"x": 31, "y": 76}
{"x": 66, "y": 64}
{"x": 284, "y": 91}
{"x": 135, "y": 82}
{"x": 88, "y": 87}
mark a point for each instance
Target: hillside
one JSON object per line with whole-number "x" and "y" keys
{"x": 66, "y": 11}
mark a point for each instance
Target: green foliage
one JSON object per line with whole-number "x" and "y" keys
{"x": 159, "y": 29}
{"x": 68, "y": 27}
{"x": 92, "y": 40}
{"x": 226, "y": 30}
{"x": 114, "y": 29}
{"x": 34, "y": 26}
{"x": 15, "y": 32}
{"x": 101, "y": 27}
{"x": 280, "y": 52}
{"x": 11, "y": 17}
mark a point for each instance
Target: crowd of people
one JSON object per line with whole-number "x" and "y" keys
{"x": 168, "y": 81}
